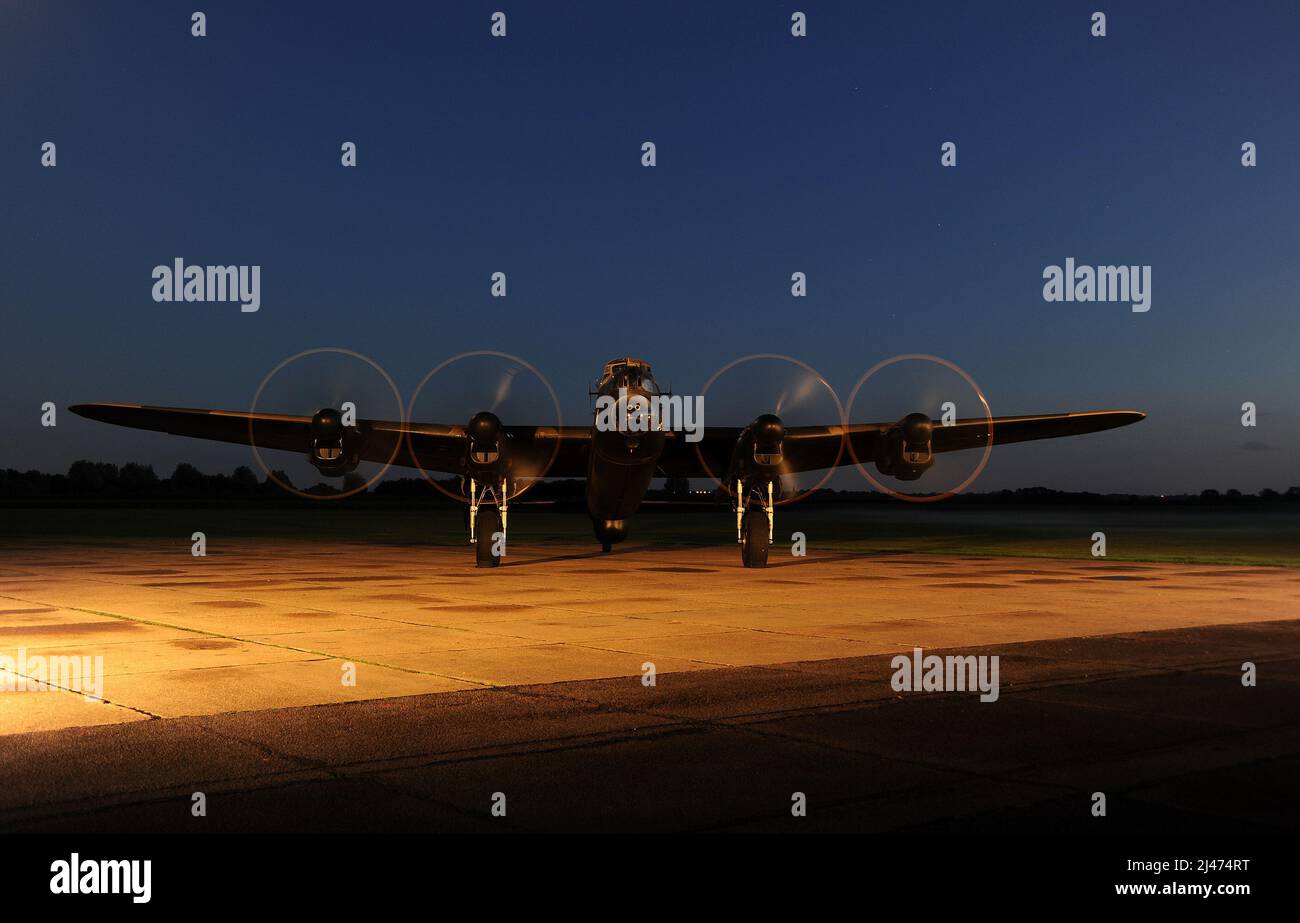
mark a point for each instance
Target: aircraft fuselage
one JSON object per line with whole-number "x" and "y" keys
{"x": 621, "y": 464}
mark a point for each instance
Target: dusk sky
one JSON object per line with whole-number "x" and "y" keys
{"x": 775, "y": 154}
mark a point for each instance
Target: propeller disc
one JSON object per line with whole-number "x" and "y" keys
{"x": 473, "y": 386}
{"x": 318, "y": 383}
{"x": 776, "y": 384}
{"x": 939, "y": 388}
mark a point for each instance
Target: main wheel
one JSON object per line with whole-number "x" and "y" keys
{"x": 754, "y": 540}
{"x": 485, "y": 530}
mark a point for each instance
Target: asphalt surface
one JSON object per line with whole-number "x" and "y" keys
{"x": 1160, "y": 722}
{"x": 524, "y": 687}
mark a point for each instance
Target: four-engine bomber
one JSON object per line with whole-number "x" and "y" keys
{"x": 495, "y": 459}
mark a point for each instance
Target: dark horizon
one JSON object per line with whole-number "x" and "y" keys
{"x": 87, "y": 479}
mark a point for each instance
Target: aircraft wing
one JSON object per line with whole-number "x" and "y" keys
{"x": 439, "y": 448}
{"x": 813, "y": 448}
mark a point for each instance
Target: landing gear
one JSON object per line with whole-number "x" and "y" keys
{"x": 755, "y": 527}
{"x": 609, "y": 532}
{"x": 486, "y": 518}
{"x": 489, "y": 524}
{"x": 754, "y": 539}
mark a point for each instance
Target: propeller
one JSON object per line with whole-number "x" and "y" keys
{"x": 324, "y": 383}
{"x": 798, "y": 396}
{"x": 905, "y": 451}
{"x": 504, "y": 385}
{"x": 510, "y": 389}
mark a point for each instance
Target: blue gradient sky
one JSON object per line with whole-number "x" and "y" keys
{"x": 775, "y": 155}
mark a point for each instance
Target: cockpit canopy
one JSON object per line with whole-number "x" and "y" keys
{"x": 633, "y": 374}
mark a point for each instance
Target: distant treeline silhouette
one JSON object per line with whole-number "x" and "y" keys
{"x": 88, "y": 481}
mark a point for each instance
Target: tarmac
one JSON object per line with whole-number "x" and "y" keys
{"x": 316, "y": 686}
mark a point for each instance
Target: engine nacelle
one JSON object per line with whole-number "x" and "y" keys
{"x": 768, "y": 435}
{"x": 759, "y": 452}
{"x": 485, "y": 448}
{"x": 335, "y": 448}
{"x": 907, "y": 449}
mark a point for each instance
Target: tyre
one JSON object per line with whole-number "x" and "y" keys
{"x": 485, "y": 530}
{"x": 754, "y": 540}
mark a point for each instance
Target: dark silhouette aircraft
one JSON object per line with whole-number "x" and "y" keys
{"x": 495, "y": 461}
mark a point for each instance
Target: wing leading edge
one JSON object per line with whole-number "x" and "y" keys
{"x": 440, "y": 448}
{"x": 814, "y": 448}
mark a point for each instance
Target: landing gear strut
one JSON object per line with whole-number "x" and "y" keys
{"x": 754, "y": 527}
{"x": 488, "y": 510}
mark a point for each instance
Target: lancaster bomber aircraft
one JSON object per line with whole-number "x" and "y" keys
{"x": 495, "y": 461}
